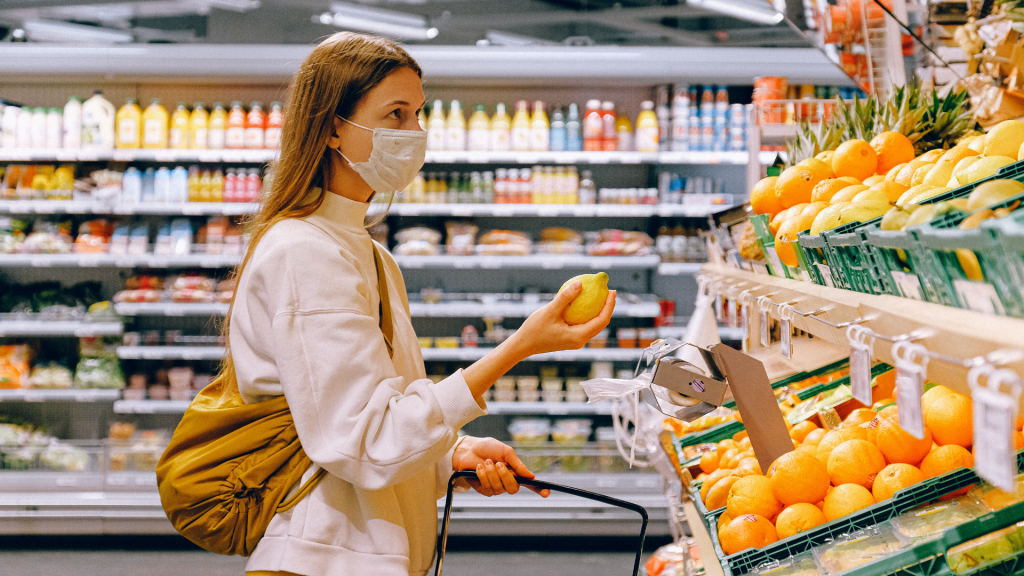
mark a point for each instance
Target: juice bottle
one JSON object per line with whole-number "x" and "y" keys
{"x": 455, "y": 128}
{"x": 193, "y": 184}
{"x": 217, "y": 127}
{"x": 97, "y": 131}
{"x": 275, "y": 123}
{"x": 229, "y": 186}
{"x": 418, "y": 193}
{"x": 609, "y": 140}
{"x": 39, "y": 128}
{"x": 647, "y": 128}
{"x": 234, "y": 135}
{"x": 436, "y": 128}
{"x": 198, "y": 128}
{"x": 253, "y": 185}
{"x": 217, "y": 187}
{"x": 178, "y": 134}
{"x": 540, "y": 129}
{"x": 73, "y": 123}
{"x": 593, "y": 127}
{"x": 479, "y": 136}
{"x": 255, "y": 126}
{"x": 521, "y": 128}
{"x": 558, "y": 136}
{"x": 501, "y": 130}
{"x": 573, "y": 131}
{"x": 154, "y": 125}
{"x": 205, "y": 182}
{"x": 129, "y": 125}
{"x": 54, "y": 128}
{"x": 623, "y": 133}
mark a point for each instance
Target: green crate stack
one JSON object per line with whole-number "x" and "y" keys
{"x": 811, "y": 251}
{"x": 765, "y": 238}
{"x": 898, "y": 255}
{"x": 1010, "y": 232}
{"x": 847, "y": 250}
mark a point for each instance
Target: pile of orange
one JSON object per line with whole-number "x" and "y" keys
{"x": 833, "y": 473}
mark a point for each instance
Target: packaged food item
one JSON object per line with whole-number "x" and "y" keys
{"x": 446, "y": 342}
{"x": 799, "y": 565}
{"x": 93, "y": 237}
{"x": 996, "y": 499}
{"x": 530, "y": 430}
{"x": 988, "y": 549}
{"x": 619, "y": 243}
{"x": 823, "y": 401}
{"x": 931, "y": 521}
{"x": 14, "y": 365}
{"x": 146, "y": 451}
{"x": 50, "y": 375}
{"x": 857, "y": 548}
{"x": 425, "y": 342}
{"x": 417, "y": 241}
{"x": 461, "y": 238}
{"x": 504, "y": 243}
{"x": 47, "y": 238}
{"x": 470, "y": 336}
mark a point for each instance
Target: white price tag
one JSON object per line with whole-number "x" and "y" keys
{"x": 910, "y": 378}
{"x": 777, "y": 267}
{"x": 860, "y": 363}
{"x": 745, "y": 327}
{"x": 732, "y": 321}
{"x": 766, "y": 340}
{"x": 979, "y": 296}
{"x": 787, "y": 338}
{"x": 995, "y": 416}
{"x": 908, "y": 284}
{"x": 718, "y": 307}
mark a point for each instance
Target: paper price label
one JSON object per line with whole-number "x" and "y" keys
{"x": 787, "y": 338}
{"x": 908, "y": 284}
{"x": 979, "y": 296}
{"x": 909, "y": 388}
{"x": 765, "y": 337}
{"x": 995, "y": 415}
{"x": 745, "y": 327}
{"x": 718, "y": 307}
{"x": 860, "y": 375}
{"x": 732, "y": 312}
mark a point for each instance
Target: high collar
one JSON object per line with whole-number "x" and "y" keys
{"x": 343, "y": 213}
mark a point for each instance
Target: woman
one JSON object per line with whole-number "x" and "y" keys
{"x": 307, "y": 322}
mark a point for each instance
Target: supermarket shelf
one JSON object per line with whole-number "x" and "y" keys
{"x": 151, "y": 406}
{"x": 170, "y": 309}
{"x": 778, "y": 133}
{"x": 111, "y": 261}
{"x": 88, "y": 207}
{"x": 557, "y": 210}
{"x": 122, "y": 155}
{"x": 546, "y": 261}
{"x": 582, "y": 355}
{"x": 170, "y": 352}
{"x": 468, "y": 309}
{"x": 679, "y": 268}
{"x": 59, "y": 328}
{"x": 69, "y": 395}
{"x": 550, "y": 408}
{"x": 955, "y": 333}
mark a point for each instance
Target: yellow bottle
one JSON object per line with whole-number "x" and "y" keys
{"x": 540, "y": 129}
{"x": 217, "y": 187}
{"x": 193, "y": 184}
{"x": 623, "y": 133}
{"x": 647, "y": 128}
{"x": 436, "y": 127}
{"x": 178, "y": 133}
{"x": 154, "y": 125}
{"x": 198, "y": 128}
{"x": 501, "y": 130}
{"x": 521, "y": 128}
{"x": 205, "y": 186}
{"x": 129, "y": 125}
{"x": 217, "y": 127}
{"x": 479, "y": 130}
{"x": 455, "y": 128}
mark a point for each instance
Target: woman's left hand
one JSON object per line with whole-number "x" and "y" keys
{"x": 495, "y": 463}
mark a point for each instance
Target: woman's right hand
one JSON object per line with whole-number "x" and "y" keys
{"x": 546, "y": 331}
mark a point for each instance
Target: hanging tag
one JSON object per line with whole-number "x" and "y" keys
{"x": 745, "y": 327}
{"x": 718, "y": 306}
{"x": 910, "y": 386}
{"x": 995, "y": 416}
{"x": 787, "y": 337}
{"x": 732, "y": 313}
{"x": 860, "y": 364}
{"x": 763, "y": 320}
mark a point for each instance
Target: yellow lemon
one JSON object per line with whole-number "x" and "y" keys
{"x": 590, "y": 301}
{"x": 1005, "y": 139}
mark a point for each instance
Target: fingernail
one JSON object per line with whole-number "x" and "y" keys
{"x": 489, "y": 462}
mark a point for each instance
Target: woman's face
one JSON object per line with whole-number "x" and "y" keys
{"x": 394, "y": 103}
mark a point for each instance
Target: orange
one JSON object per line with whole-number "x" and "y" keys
{"x": 719, "y": 494}
{"x": 727, "y": 460}
{"x": 750, "y": 463}
{"x": 872, "y": 180}
{"x": 893, "y": 478}
{"x": 847, "y": 194}
{"x": 820, "y": 167}
{"x": 700, "y": 477}
{"x": 855, "y": 158}
{"x": 763, "y": 199}
{"x": 795, "y": 184}
{"x": 740, "y": 436}
{"x": 801, "y": 430}
{"x": 859, "y": 416}
{"x": 744, "y": 442}
{"x": 824, "y": 190}
{"x": 951, "y": 420}
{"x": 835, "y": 438}
{"x": 798, "y": 518}
{"x": 777, "y": 221}
{"x": 883, "y": 385}
{"x": 710, "y": 481}
{"x": 826, "y": 156}
{"x": 872, "y": 430}
{"x": 932, "y": 394}
{"x": 725, "y": 445}
{"x": 814, "y": 437}
{"x": 892, "y": 190}
{"x": 753, "y": 495}
{"x": 798, "y": 476}
{"x": 808, "y": 449}
{"x": 723, "y": 521}
{"x": 892, "y": 148}
{"x": 709, "y": 462}
{"x": 787, "y": 235}
{"x": 898, "y": 446}
{"x": 946, "y": 458}
{"x": 747, "y": 531}
{"x": 846, "y": 499}
{"x": 855, "y": 462}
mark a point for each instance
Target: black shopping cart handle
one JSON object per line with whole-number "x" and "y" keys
{"x": 540, "y": 484}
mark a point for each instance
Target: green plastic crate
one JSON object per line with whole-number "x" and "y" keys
{"x": 899, "y": 256}
{"x": 811, "y": 251}
{"x": 800, "y": 376}
{"x": 877, "y": 369}
{"x": 1010, "y": 233}
{"x": 848, "y": 252}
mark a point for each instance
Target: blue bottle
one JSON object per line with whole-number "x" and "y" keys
{"x": 148, "y": 185}
{"x": 556, "y": 142}
{"x": 573, "y": 131}
{"x": 131, "y": 186}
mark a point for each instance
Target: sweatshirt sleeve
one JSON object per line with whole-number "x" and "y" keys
{"x": 353, "y": 413}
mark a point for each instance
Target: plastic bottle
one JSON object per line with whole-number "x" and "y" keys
{"x": 573, "y": 130}
{"x": 436, "y": 128}
{"x": 217, "y": 186}
{"x": 129, "y": 125}
{"x": 23, "y": 133}
{"x": 609, "y": 139}
{"x": 521, "y": 127}
{"x": 587, "y": 189}
{"x": 205, "y": 180}
{"x": 73, "y": 123}
{"x": 623, "y": 133}
{"x": 154, "y": 125}
{"x": 540, "y": 129}
{"x": 455, "y": 128}
{"x": 253, "y": 186}
{"x": 9, "y": 127}
{"x": 230, "y": 181}
{"x": 178, "y": 133}
{"x": 488, "y": 188}
{"x": 418, "y": 192}
{"x": 647, "y": 128}
{"x": 255, "y": 127}
{"x": 54, "y": 128}
{"x": 193, "y": 184}
{"x": 501, "y": 130}
{"x": 593, "y": 127}
{"x": 98, "y": 123}
{"x": 179, "y": 185}
{"x": 148, "y": 185}
{"x": 131, "y": 186}
{"x": 479, "y": 135}
{"x": 275, "y": 123}
{"x": 217, "y": 127}
{"x": 162, "y": 185}
{"x": 39, "y": 128}
{"x": 234, "y": 135}
{"x": 573, "y": 183}
{"x": 199, "y": 128}
{"x": 557, "y": 140}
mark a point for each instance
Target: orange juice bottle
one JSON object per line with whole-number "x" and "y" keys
{"x": 198, "y": 128}
{"x": 154, "y": 125}
{"x": 234, "y": 138}
{"x": 275, "y": 122}
{"x": 647, "y": 128}
{"x": 540, "y": 129}
{"x": 501, "y": 130}
{"x": 217, "y": 186}
{"x": 178, "y": 135}
{"x": 129, "y": 125}
{"x": 255, "y": 126}
{"x": 217, "y": 127}
{"x": 521, "y": 128}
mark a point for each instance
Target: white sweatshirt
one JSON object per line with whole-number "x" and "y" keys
{"x": 305, "y": 324}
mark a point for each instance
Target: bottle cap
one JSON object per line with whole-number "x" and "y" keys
{"x": 197, "y": 105}
{"x": 155, "y": 102}
{"x": 127, "y": 100}
{"x": 593, "y": 104}
{"x": 181, "y": 105}
{"x": 479, "y": 108}
{"x": 647, "y": 105}
{"x": 236, "y": 103}
{"x": 218, "y": 104}
{"x": 608, "y": 105}
{"x": 256, "y": 104}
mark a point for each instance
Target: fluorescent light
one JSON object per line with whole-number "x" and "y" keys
{"x": 240, "y": 6}
{"x": 385, "y": 22}
{"x": 498, "y": 38}
{"x": 761, "y": 13}
{"x": 63, "y": 32}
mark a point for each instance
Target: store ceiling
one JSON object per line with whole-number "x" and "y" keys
{"x": 691, "y": 23}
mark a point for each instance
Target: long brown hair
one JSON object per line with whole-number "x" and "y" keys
{"x": 330, "y": 82}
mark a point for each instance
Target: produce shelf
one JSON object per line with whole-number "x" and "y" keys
{"x": 581, "y": 355}
{"x": 170, "y": 309}
{"x": 66, "y": 395}
{"x": 170, "y": 352}
{"x": 77, "y": 328}
{"x": 111, "y": 261}
{"x": 545, "y": 261}
{"x": 679, "y": 268}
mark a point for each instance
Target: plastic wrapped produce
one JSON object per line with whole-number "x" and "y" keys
{"x": 851, "y": 550}
{"x": 417, "y": 241}
{"x": 64, "y": 458}
{"x": 931, "y": 521}
{"x": 504, "y": 243}
{"x": 14, "y": 365}
{"x": 47, "y": 238}
{"x": 619, "y": 243}
{"x": 799, "y": 565}
{"x": 997, "y": 499}
{"x": 986, "y": 550}
{"x": 51, "y": 376}
{"x": 99, "y": 373}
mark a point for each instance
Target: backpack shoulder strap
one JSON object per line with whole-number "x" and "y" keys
{"x": 386, "y": 322}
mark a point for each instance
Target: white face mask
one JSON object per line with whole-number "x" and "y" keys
{"x": 395, "y": 160}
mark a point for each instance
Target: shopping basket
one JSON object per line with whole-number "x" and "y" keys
{"x": 443, "y": 542}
